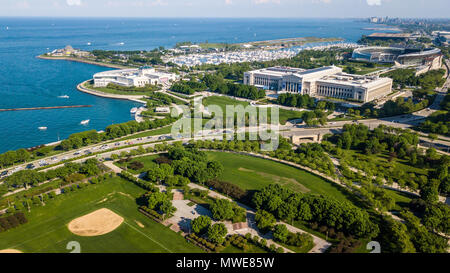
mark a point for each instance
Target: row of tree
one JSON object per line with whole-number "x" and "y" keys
{"x": 33, "y": 177}
{"x": 304, "y": 101}
{"x": 288, "y": 205}
{"x": 217, "y": 83}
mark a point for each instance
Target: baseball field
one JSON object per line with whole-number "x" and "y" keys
{"x": 102, "y": 218}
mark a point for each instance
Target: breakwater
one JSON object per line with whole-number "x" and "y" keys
{"x": 45, "y": 108}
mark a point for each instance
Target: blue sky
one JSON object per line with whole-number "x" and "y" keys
{"x": 227, "y": 8}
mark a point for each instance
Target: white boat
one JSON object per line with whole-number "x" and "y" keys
{"x": 133, "y": 110}
{"x": 122, "y": 43}
{"x": 43, "y": 128}
{"x": 84, "y": 122}
{"x": 89, "y": 43}
{"x": 64, "y": 97}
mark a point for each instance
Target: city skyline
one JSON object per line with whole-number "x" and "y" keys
{"x": 226, "y": 8}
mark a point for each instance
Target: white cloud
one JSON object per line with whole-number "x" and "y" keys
{"x": 74, "y": 2}
{"x": 257, "y": 2}
{"x": 374, "y": 2}
{"x": 139, "y": 4}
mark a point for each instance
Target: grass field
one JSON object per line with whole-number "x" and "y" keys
{"x": 222, "y": 102}
{"x": 299, "y": 249}
{"x": 146, "y": 160}
{"x": 252, "y": 249}
{"x": 46, "y": 230}
{"x": 251, "y": 173}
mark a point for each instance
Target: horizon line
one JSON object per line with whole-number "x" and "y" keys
{"x": 215, "y": 17}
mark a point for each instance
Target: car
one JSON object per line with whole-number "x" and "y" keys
{"x": 30, "y": 166}
{"x": 4, "y": 173}
{"x": 43, "y": 163}
{"x": 77, "y": 153}
{"x": 117, "y": 144}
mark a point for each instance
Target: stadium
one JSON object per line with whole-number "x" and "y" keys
{"x": 400, "y": 56}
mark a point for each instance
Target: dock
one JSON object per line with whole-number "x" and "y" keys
{"x": 45, "y": 108}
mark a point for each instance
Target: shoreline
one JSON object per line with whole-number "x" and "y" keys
{"x": 72, "y": 59}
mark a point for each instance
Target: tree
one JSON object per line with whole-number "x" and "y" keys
{"x": 280, "y": 233}
{"x": 201, "y": 224}
{"x": 222, "y": 209}
{"x": 429, "y": 192}
{"x": 264, "y": 220}
{"x": 167, "y": 208}
{"x": 395, "y": 238}
{"x": 216, "y": 233}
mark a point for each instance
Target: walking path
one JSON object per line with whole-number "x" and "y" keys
{"x": 320, "y": 245}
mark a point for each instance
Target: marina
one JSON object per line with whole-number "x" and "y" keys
{"x": 259, "y": 55}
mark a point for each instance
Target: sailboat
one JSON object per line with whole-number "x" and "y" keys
{"x": 84, "y": 122}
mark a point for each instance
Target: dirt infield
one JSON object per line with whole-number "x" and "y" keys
{"x": 10, "y": 251}
{"x": 96, "y": 223}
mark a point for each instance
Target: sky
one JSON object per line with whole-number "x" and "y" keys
{"x": 227, "y": 8}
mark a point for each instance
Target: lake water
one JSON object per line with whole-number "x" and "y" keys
{"x": 26, "y": 81}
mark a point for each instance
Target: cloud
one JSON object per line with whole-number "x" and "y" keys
{"x": 139, "y": 4}
{"x": 257, "y": 2}
{"x": 374, "y": 2}
{"x": 74, "y": 2}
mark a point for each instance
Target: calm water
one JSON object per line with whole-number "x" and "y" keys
{"x": 26, "y": 81}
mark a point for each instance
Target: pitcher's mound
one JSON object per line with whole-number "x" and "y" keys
{"x": 96, "y": 223}
{"x": 10, "y": 251}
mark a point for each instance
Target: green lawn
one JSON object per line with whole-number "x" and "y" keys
{"x": 222, "y": 102}
{"x": 155, "y": 132}
{"x": 115, "y": 91}
{"x": 146, "y": 160}
{"x": 251, "y": 173}
{"x": 401, "y": 199}
{"x": 299, "y": 249}
{"x": 47, "y": 229}
{"x": 252, "y": 249}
